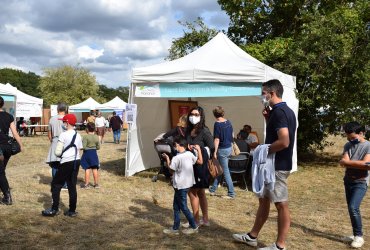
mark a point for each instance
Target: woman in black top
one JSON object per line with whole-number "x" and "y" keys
{"x": 198, "y": 134}
{"x": 6, "y": 123}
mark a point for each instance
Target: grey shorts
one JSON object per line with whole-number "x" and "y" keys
{"x": 280, "y": 192}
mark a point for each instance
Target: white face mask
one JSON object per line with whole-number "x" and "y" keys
{"x": 194, "y": 119}
{"x": 264, "y": 101}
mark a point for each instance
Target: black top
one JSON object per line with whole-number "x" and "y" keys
{"x": 281, "y": 116}
{"x": 177, "y": 131}
{"x": 115, "y": 122}
{"x": 5, "y": 120}
{"x": 203, "y": 139}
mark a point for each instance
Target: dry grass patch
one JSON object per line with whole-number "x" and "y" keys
{"x": 130, "y": 213}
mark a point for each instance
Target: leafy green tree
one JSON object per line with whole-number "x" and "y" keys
{"x": 69, "y": 84}
{"x": 25, "y": 82}
{"x": 196, "y": 35}
{"x": 324, "y": 44}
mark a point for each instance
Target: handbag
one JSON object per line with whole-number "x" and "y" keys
{"x": 15, "y": 147}
{"x": 235, "y": 149}
{"x": 214, "y": 167}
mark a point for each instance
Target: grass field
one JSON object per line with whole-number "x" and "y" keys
{"x": 130, "y": 213}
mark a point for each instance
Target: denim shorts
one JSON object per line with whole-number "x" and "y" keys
{"x": 280, "y": 192}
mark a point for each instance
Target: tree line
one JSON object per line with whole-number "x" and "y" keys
{"x": 71, "y": 84}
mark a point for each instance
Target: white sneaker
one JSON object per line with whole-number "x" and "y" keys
{"x": 272, "y": 247}
{"x": 171, "y": 231}
{"x": 190, "y": 230}
{"x": 357, "y": 242}
{"x": 245, "y": 239}
{"x": 185, "y": 225}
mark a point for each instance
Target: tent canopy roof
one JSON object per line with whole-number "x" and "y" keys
{"x": 115, "y": 103}
{"x": 219, "y": 60}
{"x": 25, "y": 98}
{"x": 89, "y": 104}
{"x": 6, "y": 90}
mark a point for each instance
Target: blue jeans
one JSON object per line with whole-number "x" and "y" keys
{"x": 355, "y": 192}
{"x": 117, "y": 135}
{"x": 180, "y": 204}
{"x": 223, "y": 155}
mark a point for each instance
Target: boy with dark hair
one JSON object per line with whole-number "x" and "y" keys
{"x": 183, "y": 178}
{"x": 68, "y": 149}
{"x": 356, "y": 158}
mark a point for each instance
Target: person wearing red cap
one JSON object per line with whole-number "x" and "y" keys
{"x": 68, "y": 149}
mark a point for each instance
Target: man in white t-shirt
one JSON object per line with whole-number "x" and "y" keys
{"x": 250, "y": 138}
{"x": 68, "y": 149}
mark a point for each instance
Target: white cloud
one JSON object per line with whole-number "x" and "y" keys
{"x": 85, "y": 52}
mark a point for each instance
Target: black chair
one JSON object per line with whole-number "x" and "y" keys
{"x": 239, "y": 164}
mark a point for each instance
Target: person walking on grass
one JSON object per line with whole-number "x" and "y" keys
{"x": 6, "y": 124}
{"x": 68, "y": 149}
{"x": 280, "y": 134}
{"x": 183, "y": 178}
{"x": 223, "y": 138}
{"x": 115, "y": 123}
{"x": 100, "y": 127}
{"x": 89, "y": 159}
{"x": 356, "y": 160}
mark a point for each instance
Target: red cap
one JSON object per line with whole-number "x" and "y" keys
{"x": 70, "y": 118}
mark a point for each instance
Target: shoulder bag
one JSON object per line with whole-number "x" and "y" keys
{"x": 214, "y": 167}
{"x": 16, "y": 148}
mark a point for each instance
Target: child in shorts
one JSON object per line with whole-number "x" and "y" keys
{"x": 181, "y": 166}
{"x": 90, "y": 159}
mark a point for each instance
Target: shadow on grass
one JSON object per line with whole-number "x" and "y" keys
{"x": 314, "y": 232}
{"x": 220, "y": 236}
{"x": 46, "y": 200}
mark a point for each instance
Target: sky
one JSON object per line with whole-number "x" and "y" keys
{"x": 107, "y": 37}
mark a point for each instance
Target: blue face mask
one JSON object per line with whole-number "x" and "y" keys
{"x": 354, "y": 141}
{"x": 64, "y": 127}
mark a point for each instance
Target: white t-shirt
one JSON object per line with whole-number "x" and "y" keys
{"x": 182, "y": 164}
{"x": 66, "y": 138}
{"x": 99, "y": 122}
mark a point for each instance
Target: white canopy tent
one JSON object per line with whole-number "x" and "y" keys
{"x": 85, "y": 106}
{"x": 219, "y": 73}
{"x": 9, "y": 95}
{"x": 27, "y": 105}
{"x": 115, "y": 104}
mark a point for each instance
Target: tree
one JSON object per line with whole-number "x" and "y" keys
{"x": 110, "y": 93}
{"x": 68, "y": 84}
{"x": 324, "y": 44}
{"x": 25, "y": 82}
{"x": 196, "y": 35}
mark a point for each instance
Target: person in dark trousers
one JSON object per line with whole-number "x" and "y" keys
{"x": 281, "y": 125}
{"x": 356, "y": 160}
{"x": 6, "y": 124}
{"x": 68, "y": 149}
{"x": 115, "y": 123}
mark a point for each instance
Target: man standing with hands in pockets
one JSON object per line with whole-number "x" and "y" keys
{"x": 280, "y": 133}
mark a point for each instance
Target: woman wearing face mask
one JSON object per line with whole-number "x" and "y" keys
{"x": 198, "y": 134}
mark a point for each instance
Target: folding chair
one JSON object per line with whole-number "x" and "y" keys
{"x": 239, "y": 164}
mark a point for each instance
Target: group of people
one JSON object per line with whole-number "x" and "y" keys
{"x": 195, "y": 144}
{"x": 113, "y": 123}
